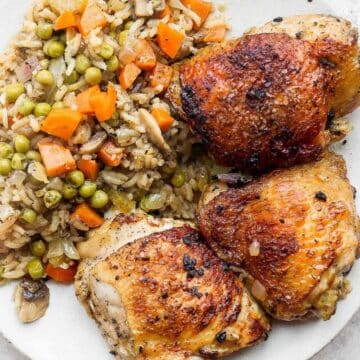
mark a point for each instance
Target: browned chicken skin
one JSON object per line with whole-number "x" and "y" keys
{"x": 164, "y": 295}
{"x": 262, "y": 101}
{"x": 294, "y": 232}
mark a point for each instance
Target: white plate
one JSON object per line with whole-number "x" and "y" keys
{"x": 66, "y": 333}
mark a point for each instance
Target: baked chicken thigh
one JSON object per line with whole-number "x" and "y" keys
{"x": 158, "y": 292}
{"x": 294, "y": 232}
{"x": 262, "y": 101}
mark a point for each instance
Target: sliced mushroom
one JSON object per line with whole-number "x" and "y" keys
{"x": 82, "y": 134}
{"x": 177, "y": 4}
{"x": 159, "y": 5}
{"x": 153, "y": 130}
{"x": 38, "y": 172}
{"x": 31, "y": 299}
{"x": 94, "y": 143}
{"x": 144, "y": 8}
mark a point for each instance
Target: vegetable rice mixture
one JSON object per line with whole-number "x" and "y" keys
{"x": 84, "y": 128}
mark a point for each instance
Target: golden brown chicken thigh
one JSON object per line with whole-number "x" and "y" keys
{"x": 262, "y": 101}
{"x": 164, "y": 294}
{"x": 294, "y": 232}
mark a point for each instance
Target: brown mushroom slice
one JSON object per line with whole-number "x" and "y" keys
{"x": 31, "y": 299}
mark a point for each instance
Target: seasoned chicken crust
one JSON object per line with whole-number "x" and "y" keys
{"x": 263, "y": 101}
{"x": 336, "y": 42}
{"x": 167, "y": 296}
{"x": 294, "y": 232}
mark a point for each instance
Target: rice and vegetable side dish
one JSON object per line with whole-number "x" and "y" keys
{"x": 84, "y": 129}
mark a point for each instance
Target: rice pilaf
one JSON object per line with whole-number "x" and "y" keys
{"x": 64, "y": 166}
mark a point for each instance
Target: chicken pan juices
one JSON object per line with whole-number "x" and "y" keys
{"x": 182, "y": 181}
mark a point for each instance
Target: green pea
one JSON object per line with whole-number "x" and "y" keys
{"x": 35, "y": 269}
{"x": 52, "y": 198}
{"x": 44, "y": 63}
{"x": 13, "y": 91}
{"x": 82, "y": 64}
{"x": 22, "y": 144}
{"x": 128, "y": 25}
{"x": 38, "y": 248}
{"x": 28, "y": 215}
{"x": 178, "y": 178}
{"x": 5, "y": 166}
{"x": 93, "y": 75}
{"x": 33, "y": 155}
{"x": 112, "y": 64}
{"x": 58, "y": 105}
{"x": 99, "y": 199}
{"x": 87, "y": 189}
{"x": 44, "y": 31}
{"x": 69, "y": 192}
{"x": 6, "y": 151}
{"x": 18, "y": 161}
{"x": 26, "y": 107}
{"x": 54, "y": 49}
{"x": 75, "y": 178}
{"x": 72, "y": 78}
{"x": 106, "y": 51}
{"x": 45, "y": 77}
{"x": 122, "y": 37}
{"x": 42, "y": 109}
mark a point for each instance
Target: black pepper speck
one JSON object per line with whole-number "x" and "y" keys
{"x": 221, "y": 336}
{"x": 321, "y": 196}
{"x": 278, "y": 19}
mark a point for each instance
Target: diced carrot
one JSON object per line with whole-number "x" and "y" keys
{"x": 165, "y": 12}
{"x": 169, "y": 39}
{"x": 56, "y": 158}
{"x": 92, "y": 18}
{"x": 83, "y": 100}
{"x": 161, "y": 75}
{"x": 88, "y": 216}
{"x": 128, "y": 75}
{"x": 110, "y": 154}
{"x": 66, "y": 20}
{"x": 146, "y": 58}
{"x": 61, "y": 123}
{"x": 216, "y": 34}
{"x": 61, "y": 275}
{"x": 163, "y": 118}
{"x": 104, "y": 103}
{"x": 199, "y": 7}
{"x": 90, "y": 168}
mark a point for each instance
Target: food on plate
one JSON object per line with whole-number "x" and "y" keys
{"x": 294, "y": 232}
{"x": 263, "y": 101}
{"x": 100, "y": 176}
{"x": 83, "y": 133}
{"x": 157, "y": 291}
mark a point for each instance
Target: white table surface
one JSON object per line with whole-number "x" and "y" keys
{"x": 345, "y": 346}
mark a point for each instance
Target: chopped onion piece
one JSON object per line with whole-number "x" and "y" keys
{"x": 254, "y": 248}
{"x": 258, "y": 290}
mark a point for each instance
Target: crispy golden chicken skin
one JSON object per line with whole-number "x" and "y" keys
{"x": 294, "y": 232}
{"x": 165, "y": 295}
{"x": 336, "y": 42}
{"x": 262, "y": 101}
